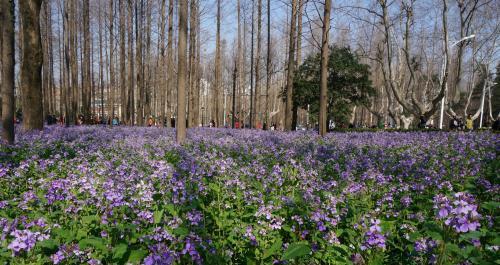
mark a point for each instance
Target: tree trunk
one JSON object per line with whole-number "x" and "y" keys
{"x": 217, "y": 67}
{"x": 31, "y": 66}
{"x": 182, "y": 73}
{"x": 252, "y": 102}
{"x": 123, "y": 69}
{"x": 268, "y": 61}
{"x": 139, "y": 62}
{"x": 291, "y": 69}
{"x": 130, "y": 109}
{"x": 324, "y": 70}
{"x": 8, "y": 67}
{"x": 257, "y": 63}
{"x": 192, "y": 67}
{"x": 86, "y": 86}
{"x": 111, "y": 95}
{"x": 170, "y": 62}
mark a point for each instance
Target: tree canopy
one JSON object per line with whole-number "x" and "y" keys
{"x": 349, "y": 84}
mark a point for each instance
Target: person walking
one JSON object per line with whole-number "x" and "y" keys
{"x": 469, "y": 123}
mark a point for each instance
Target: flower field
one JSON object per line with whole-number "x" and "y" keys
{"x": 96, "y": 195}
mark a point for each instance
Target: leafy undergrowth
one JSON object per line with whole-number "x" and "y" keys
{"x": 123, "y": 195}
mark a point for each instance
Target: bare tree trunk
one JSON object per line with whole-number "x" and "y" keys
{"x": 130, "y": 110}
{"x": 257, "y": 63}
{"x": 161, "y": 87}
{"x": 170, "y": 62}
{"x": 324, "y": 70}
{"x": 268, "y": 61}
{"x": 101, "y": 66}
{"x": 74, "y": 62}
{"x": 182, "y": 71}
{"x": 217, "y": 67}
{"x": 139, "y": 61}
{"x": 291, "y": 69}
{"x": 300, "y": 13}
{"x": 111, "y": 94}
{"x": 252, "y": 102}
{"x": 86, "y": 86}
{"x": 123, "y": 69}
{"x": 146, "y": 69}
{"x": 31, "y": 66}
{"x": 192, "y": 67}
{"x": 8, "y": 66}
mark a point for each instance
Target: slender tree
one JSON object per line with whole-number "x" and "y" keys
{"x": 182, "y": 72}
{"x": 324, "y": 69}
{"x": 170, "y": 59}
{"x": 130, "y": 108}
{"x": 111, "y": 95}
{"x": 257, "y": 63}
{"x": 291, "y": 69}
{"x": 123, "y": 68}
{"x": 8, "y": 65}
{"x": 218, "y": 74}
{"x": 86, "y": 86}
{"x": 31, "y": 66}
{"x": 268, "y": 61}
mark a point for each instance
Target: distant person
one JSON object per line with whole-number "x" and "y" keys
{"x": 422, "y": 123}
{"x": 172, "y": 122}
{"x": 496, "y": 124}
{"x": 151, "y": 121}
{"x": 211, "y": 124}
{"x": 115, "y": 121}
{"x": 469, "y": 123}
{"x": 453, "y": 123}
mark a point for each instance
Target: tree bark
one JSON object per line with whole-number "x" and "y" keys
{"x": 268, "y": 61}
{"x": 257, "y": 63}
{"x": 182, "y": 73}
{"x": 217, "y": 67}
{"x": 86, "y": 86}
{"x": 170, "y": 60}
{"x": 123, "y": 69}
{"x": 131, "y": 83}
{"x": 31, "y": 66}
{"x": 291, "y": 69}
{"x": 111, "y": 95}
{"x": 324, "y": 70}
{"x": 8, "y": 67}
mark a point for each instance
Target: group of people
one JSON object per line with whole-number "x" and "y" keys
{"x": 458, "y": 124}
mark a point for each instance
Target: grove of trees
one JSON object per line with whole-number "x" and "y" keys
{"x": 195, "y": 61}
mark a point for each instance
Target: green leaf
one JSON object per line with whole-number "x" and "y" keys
{"x": 181, "y": 231}
{"x": 297, "y": 249}
{"x": 49, "y": 245}
{"x": 137, "y": 255}
{"x": 89, "y": 219}
{"x": 94, "y": 242}
{"x": 490, "y": 206}
{"x": 274, "y": 247}
{"x": 119, "y": 251}
{"x": 158, "y": 216}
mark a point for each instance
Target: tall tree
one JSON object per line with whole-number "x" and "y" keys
{"x": 218, "y": 74}
{"x": 31, "y": 66}
{"x": 111, "y": 95}
{"x": 268, "y": 61}
{"x": 291, "y": 69}
{"x": 324, "y": 70}
{"x": 139, "y": 61}
{"x": 123, "y": 68}
{"x": 8, "y": 66}
{"x": 182, "y": 72}
{"x": 160, "y": 65}
{"x": 86, "y": 86}
{"x": 170, "y": 59}
{"x": 193, "y": 91}
{"x": 130, "y": 108}
{"x": 257, "y": 63}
